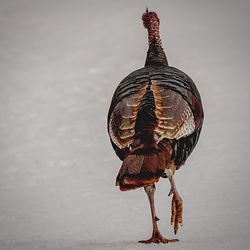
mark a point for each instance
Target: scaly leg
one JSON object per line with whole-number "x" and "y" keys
{"x": 177, "y": 206}
{"x": 156, "y": 235}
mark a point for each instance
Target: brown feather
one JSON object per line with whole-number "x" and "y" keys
{"x": 140, "y": 169}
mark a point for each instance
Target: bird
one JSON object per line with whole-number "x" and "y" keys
{"x": 154, "y": 123}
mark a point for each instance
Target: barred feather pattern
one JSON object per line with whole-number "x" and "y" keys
{"x": 154, "y": 89}
{"x": 175, "y": 117}
{"x": 154, "y": 107}
{"x": 123, "y": 118}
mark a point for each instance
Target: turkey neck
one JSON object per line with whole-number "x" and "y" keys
{"x": 155, "y": 54}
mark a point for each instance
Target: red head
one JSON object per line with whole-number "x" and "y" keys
{"x": 152, "y": 22}
{"x": 150, "y": 19}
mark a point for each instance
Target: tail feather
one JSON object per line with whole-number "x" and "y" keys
{"x": 140, "y": 169}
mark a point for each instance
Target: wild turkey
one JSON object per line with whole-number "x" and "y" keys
{"x": 154, "y": 123}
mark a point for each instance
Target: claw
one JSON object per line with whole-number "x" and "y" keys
{"x": 156, "y": 218}
{"x": 170, "y": 192}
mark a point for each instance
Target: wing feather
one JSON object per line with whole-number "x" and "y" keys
{"x": 175, "y": 117}
{"x": 123, "y": 118}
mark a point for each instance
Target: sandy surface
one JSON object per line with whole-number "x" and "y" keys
{"x": 60, "y": 64}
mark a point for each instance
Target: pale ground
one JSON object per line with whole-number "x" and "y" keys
{"x": 60, "y": 63}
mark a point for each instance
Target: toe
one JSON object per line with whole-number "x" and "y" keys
{"x": 173, "y": 211}
{"x": 157, "y": 240}
{"x": 177, "y": 209}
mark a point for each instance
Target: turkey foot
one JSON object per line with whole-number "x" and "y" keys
{"x": 176, "y": 211}
{"x": 157, "y": 238}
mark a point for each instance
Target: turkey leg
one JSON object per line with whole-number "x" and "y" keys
{"x": 156, "y": 235}
{"x": 177, "y": 206}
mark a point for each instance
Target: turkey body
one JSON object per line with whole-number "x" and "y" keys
{"x": 156, "y": 105}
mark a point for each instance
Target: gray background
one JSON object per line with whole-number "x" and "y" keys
{"x": 60, "y": 62}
